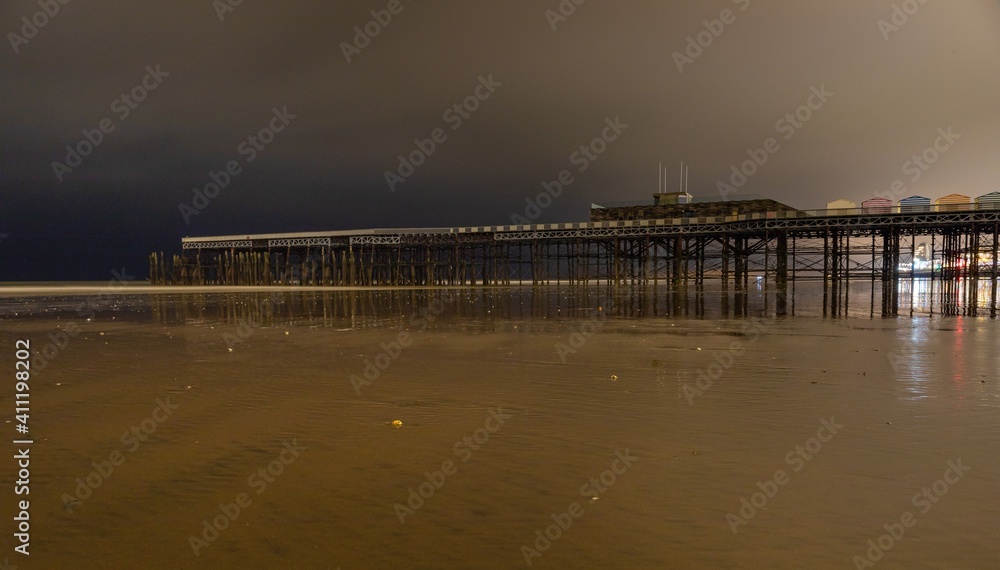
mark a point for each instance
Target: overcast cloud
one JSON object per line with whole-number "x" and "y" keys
{"x": 892, "y": 89}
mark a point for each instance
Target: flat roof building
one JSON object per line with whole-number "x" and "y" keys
{"x": 663, "y": 207}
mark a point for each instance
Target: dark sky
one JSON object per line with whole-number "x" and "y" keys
{"x": 892, "y": 90}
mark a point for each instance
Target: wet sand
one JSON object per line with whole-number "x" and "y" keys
{"x": 700, "y": 448}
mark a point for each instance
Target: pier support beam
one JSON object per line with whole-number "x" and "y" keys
{"x": 781, "y": 273}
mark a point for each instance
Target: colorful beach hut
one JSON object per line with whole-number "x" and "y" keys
{"x": 989, "y": 201}
{"x": 876, "y": 206}
{"x": 953, "y": 202}
{"x": 915, "y": 204}
{"x": 840, "y": 205}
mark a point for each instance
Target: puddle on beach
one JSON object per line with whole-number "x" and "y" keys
{"x": 637, "y": 432}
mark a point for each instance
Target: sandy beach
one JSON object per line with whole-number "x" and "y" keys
{"x": 560, "y": 435}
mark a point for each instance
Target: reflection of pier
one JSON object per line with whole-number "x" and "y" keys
{"x": 677, "y": 254}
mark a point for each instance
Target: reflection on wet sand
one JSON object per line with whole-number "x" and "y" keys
{"x": 368, "y": 307}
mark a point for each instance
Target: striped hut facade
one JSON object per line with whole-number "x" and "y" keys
{"x": 915, "y": 204}
{"x": 953, "y": 202}
{"x": 876, "y": 206}
{"x": 989, "y": 201}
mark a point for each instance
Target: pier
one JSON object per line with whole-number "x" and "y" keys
{"x": 959, "y": 245}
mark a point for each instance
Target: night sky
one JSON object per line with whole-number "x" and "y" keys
{"x": 210, "y": 76}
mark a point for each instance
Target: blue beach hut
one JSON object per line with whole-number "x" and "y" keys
{"x": 915, "y": 204}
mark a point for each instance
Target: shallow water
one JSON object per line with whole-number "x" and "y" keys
{"x": 584, "y": 376}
